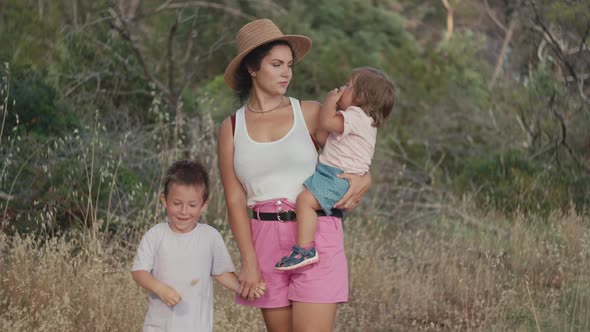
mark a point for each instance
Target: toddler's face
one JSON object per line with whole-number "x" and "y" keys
{"x": 184, "y": 206}
{"x": 347, "y": 96}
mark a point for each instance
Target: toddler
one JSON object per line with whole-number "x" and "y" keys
{"x": 364, "y": 102}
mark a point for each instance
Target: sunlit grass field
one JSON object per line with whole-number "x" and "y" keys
{"x": 462, "y": 270}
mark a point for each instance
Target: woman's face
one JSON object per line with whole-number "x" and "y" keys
{"x": 275, "y": 71}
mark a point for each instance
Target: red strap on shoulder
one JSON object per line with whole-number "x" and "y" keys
{"x": 315, "y": 142}
{"x": 233, "y": 124}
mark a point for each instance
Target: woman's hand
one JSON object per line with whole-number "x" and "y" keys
{"x": 359, "y": 185}
{"x": 250, "y": 278}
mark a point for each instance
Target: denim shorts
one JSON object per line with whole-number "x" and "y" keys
{"x": 326, "y": 187}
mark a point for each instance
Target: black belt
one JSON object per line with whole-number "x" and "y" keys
{"x": 290, "y": 215}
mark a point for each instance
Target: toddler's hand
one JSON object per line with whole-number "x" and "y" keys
{"x": 334, "y": 95}
{"x": 260, "y": 289}
{"x": 168, "y": 295}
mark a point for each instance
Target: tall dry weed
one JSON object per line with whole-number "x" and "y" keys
{"x": 449, "y": 276}
{"x": 57, "y": 285}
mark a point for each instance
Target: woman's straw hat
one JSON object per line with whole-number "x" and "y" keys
{"x": 257, "y": 33}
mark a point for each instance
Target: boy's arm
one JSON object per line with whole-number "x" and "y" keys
{"x": 330, "y": 120}
{"x": 230, "y": 281}
{"x": 167, "y": 294}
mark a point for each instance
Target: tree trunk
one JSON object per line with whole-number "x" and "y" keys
{"x": 450, "y": 24}
{"x": 505, "y": 44}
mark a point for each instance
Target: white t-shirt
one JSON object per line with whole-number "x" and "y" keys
{"x": 185, "y": 262}
{"x": 352, "y": 150}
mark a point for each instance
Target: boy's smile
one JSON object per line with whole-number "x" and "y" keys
{"x": 184, "y": 205}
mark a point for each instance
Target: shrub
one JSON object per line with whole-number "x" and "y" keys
{"x": 36, "y": 103}
{"x": 510, "y": 182}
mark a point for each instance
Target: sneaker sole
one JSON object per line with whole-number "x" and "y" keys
{"x": 306, "y": 262}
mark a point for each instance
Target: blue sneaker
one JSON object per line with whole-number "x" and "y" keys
{"x": 298, "y": 257}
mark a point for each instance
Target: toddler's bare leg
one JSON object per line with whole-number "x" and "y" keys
{"x": 307, "y": 218}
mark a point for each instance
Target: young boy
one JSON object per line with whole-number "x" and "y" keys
{"x": 176, "y": 260}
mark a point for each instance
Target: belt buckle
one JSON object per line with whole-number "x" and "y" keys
{"x": 285, "y": 216}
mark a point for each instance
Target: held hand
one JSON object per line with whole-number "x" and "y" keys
{"x": 168, "y": 295}
{"x": 359, "y": 185}
{"x": 260, "y": 289}
{"x": 250, "y": 277}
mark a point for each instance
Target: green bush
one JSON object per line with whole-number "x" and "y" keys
{"x": 511, "y": 182}
{"x": 37, "y": 104}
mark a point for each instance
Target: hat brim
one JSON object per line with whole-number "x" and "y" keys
{"x": 299, "y": 44}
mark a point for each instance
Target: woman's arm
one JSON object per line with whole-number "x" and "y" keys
{"x": 235, "y": 200}
{"x": 311, "y": 113}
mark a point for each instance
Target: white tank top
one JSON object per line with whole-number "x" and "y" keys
{"x": 270, "y": 170}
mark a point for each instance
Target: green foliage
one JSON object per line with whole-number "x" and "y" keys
{"x": 69, "y": 62}
{"x": 99, "y": 66}
{"x": 345, "y": 34}
{"x": 511, "y": 183}
{"x": 216, "y": 99}
{"x": 74, "y": 182}
{"x": 572, "y": 14}
{"x": 24, "y": 34}
{"x": 36, "y": 104}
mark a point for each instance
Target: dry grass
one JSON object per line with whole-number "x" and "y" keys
{"x": 446, "y": 275}
{"x": 65, "y": 285}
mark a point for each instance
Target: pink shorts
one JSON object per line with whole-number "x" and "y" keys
{"x": 323, "y": 282}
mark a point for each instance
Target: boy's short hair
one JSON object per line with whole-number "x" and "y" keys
{"x": 187, "y": 173}
{"x": 374, "y": 92}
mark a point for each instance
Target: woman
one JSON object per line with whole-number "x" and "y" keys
{"x": 265, "y": 152}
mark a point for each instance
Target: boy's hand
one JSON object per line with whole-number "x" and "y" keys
{"x": 334, "y": 95}
{"x": 168, "y": 295}
{"x": 260, "y": 289}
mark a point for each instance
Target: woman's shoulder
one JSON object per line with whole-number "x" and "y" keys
{"x": 311, "y": 111}
{"x": 310, "y": 106}
{"x": 226, "y": 128}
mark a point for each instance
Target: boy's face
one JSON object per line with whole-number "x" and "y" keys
{"x": 347, "y": 96}
{"x": 184, "y": 206}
